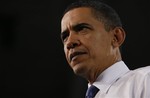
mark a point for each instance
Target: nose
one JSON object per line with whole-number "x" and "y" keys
{"x": 72, "y": 45}
{"x": 72, "y": 42}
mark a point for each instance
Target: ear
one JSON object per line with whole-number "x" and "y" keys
{"x": 118, "y": 36}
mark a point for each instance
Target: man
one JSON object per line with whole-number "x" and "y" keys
{"x": 92, "y": 35}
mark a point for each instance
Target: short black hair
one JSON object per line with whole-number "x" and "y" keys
{"x": 100, "y": 10}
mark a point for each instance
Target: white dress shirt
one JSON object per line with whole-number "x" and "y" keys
{"x": 118, "y": 81}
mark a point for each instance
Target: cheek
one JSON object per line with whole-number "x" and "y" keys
{"x": 65, "y": 52}
{"x": 99, "y": 48}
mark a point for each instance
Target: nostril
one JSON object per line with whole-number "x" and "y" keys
{"x": 72, "y": 45}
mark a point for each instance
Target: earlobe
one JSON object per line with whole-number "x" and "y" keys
{"x": 118, "y": 36}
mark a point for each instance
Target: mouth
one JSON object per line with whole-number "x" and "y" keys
{"x": 75, "y": 54}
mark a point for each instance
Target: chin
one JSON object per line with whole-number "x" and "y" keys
{"x": 79, "y": 70}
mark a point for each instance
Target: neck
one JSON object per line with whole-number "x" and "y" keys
{"x": 93, "y": 74}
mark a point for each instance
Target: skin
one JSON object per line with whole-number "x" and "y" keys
{"x": 88, "y": 47}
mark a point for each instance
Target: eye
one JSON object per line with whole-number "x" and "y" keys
{"x": 64, "y": 35}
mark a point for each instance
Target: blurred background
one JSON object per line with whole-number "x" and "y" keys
{"x": 32, "y": 61}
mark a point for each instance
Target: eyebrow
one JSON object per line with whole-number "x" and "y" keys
{"x": 75, "y": 27}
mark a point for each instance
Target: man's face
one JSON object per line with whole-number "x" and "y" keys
{"x": 87, "y": 45}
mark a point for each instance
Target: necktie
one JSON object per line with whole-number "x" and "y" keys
{"x": 91, "y": 91}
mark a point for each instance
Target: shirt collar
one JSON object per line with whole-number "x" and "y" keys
{"x": 110, "y": 75}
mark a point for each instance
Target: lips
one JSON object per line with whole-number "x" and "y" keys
{"x": 74, "y": 54}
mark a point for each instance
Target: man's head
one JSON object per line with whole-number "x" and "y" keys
{"x": 92, "y": 34}
{"x": 100, "y": 11}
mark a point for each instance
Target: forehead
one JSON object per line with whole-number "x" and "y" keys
{"x": 76, "y": 16}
